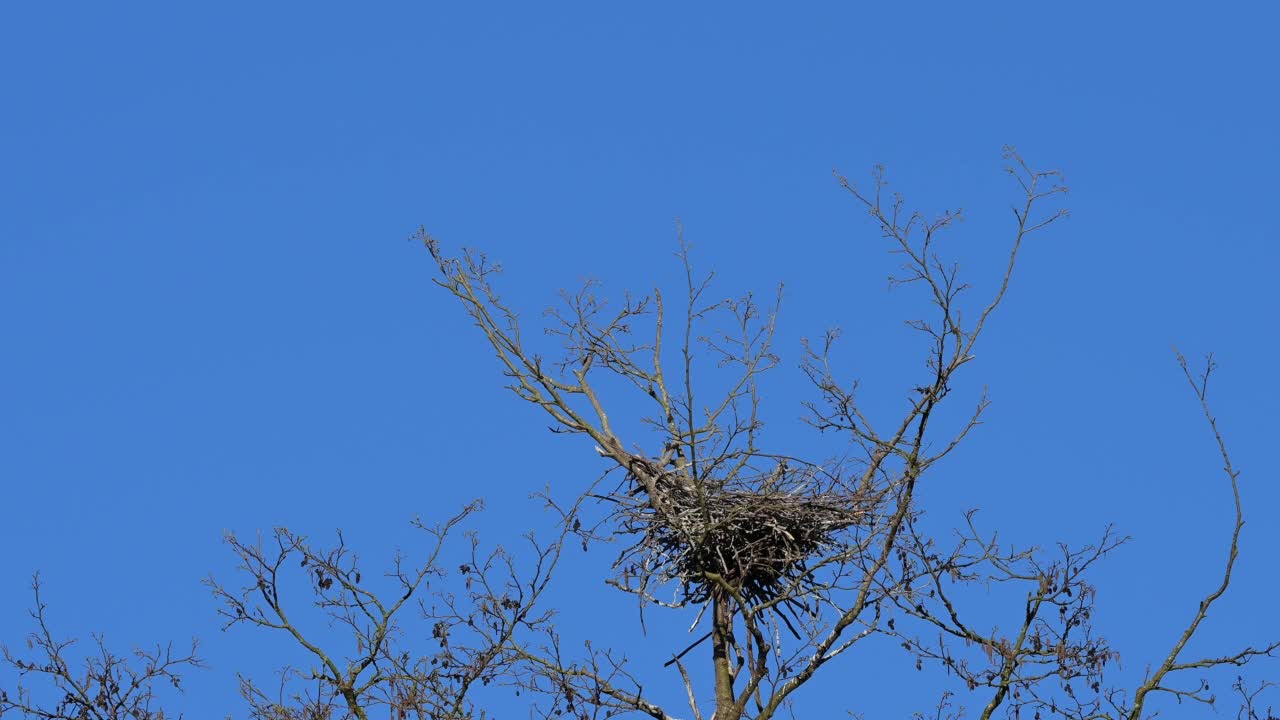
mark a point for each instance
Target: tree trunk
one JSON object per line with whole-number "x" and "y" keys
{"x": 721, "y": 640}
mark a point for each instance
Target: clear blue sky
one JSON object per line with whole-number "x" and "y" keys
{"x": 211, "y": 319}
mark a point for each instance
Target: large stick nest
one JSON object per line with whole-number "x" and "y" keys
{"x": 759, "y": 540}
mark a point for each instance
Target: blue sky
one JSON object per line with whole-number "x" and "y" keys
{"x": 212, "y": 321}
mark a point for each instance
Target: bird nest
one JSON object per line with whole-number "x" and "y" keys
{"x": 755, "y": 542}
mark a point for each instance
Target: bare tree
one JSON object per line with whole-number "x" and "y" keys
{"x": 783, "y": 561}
{"x": 365, "y": 640}
{"x": 788, "y": 561}
{"x": 374, "y": 661}
{"x": 98, "y": 685}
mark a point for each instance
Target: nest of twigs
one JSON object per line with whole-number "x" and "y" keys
{"x": 757, "y": 543}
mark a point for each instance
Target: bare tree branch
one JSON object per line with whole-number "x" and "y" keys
{"x": 108, "y": 686}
